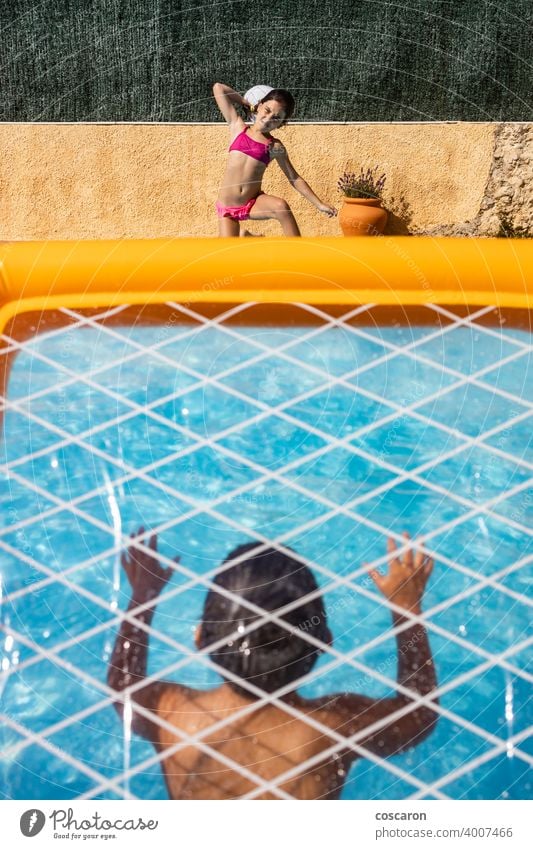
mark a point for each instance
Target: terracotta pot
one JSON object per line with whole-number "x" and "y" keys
{"x": 362, "y": 217}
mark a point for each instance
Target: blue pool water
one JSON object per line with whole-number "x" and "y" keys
{"x": 327, "y": 442}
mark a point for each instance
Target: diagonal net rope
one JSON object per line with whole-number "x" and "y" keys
{"x": 31, "y": 407}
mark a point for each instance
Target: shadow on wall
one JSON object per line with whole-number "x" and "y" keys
{"x": 510, "y": 230}
{"x": 400, "y": 216}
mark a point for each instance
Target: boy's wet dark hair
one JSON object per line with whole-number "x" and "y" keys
{"x": 269, "y": 656}
{"x": 284, "y": 97}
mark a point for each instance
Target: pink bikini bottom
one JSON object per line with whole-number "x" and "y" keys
{"x": 236, "y": 213}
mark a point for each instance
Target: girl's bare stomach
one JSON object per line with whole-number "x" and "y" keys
{"x": 240, "y": 186}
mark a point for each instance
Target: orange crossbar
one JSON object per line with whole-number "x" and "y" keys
{"x": 382, "y": 270}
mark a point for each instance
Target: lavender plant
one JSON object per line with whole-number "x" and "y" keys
{"x": 366, "y": 184}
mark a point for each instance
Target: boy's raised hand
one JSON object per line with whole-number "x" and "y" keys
{"x": 406, "y": 580}
{"x": 145, "y": 574}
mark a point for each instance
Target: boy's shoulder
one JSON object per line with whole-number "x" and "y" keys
{"x": 173, "y": 695}
{"x": 337, "y": 709}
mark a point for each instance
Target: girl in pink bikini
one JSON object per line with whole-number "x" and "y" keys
{"x": 251, "y": 150}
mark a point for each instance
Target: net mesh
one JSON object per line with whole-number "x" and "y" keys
{"x": 32, "y": 508}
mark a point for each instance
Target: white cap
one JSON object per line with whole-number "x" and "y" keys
{"x": 255, "y": 94}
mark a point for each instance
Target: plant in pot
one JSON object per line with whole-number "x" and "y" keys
{"x": 362, "y": 213}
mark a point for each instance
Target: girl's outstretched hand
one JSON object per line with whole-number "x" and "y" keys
{"x": 328, "y": 210}
{"x": 407, "y": 577}
{"x": 145, "y": 574}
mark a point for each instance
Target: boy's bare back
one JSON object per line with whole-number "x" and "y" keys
{"x": 266, "y": 742}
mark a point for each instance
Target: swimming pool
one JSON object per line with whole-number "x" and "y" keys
{"x": 325, "y": 430}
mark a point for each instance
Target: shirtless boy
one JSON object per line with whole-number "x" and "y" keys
{"x": 251, "y": 735}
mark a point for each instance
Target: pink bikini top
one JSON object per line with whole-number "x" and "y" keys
{"x": 257, "y": 150}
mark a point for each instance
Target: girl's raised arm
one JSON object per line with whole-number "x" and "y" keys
{"x": 226, "y": 97}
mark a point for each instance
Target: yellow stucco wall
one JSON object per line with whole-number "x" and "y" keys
{"x": 80, "y": 181}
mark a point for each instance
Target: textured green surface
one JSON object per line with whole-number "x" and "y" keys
{"x": 371, "y": 60}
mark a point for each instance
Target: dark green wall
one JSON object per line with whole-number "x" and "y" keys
{"x": 371, "y": 60}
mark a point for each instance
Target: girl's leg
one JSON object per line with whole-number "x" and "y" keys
{"x": 228, "y": 227}
{"x": 268, "y": 206}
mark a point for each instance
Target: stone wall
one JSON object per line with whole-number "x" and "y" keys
{"x": 508, "y": 195}
{"x": 81, "y": 181}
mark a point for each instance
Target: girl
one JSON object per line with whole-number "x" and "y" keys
{"x": 250, "y": 152}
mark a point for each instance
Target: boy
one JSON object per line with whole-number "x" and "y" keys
{"x": 250, "y": 737}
